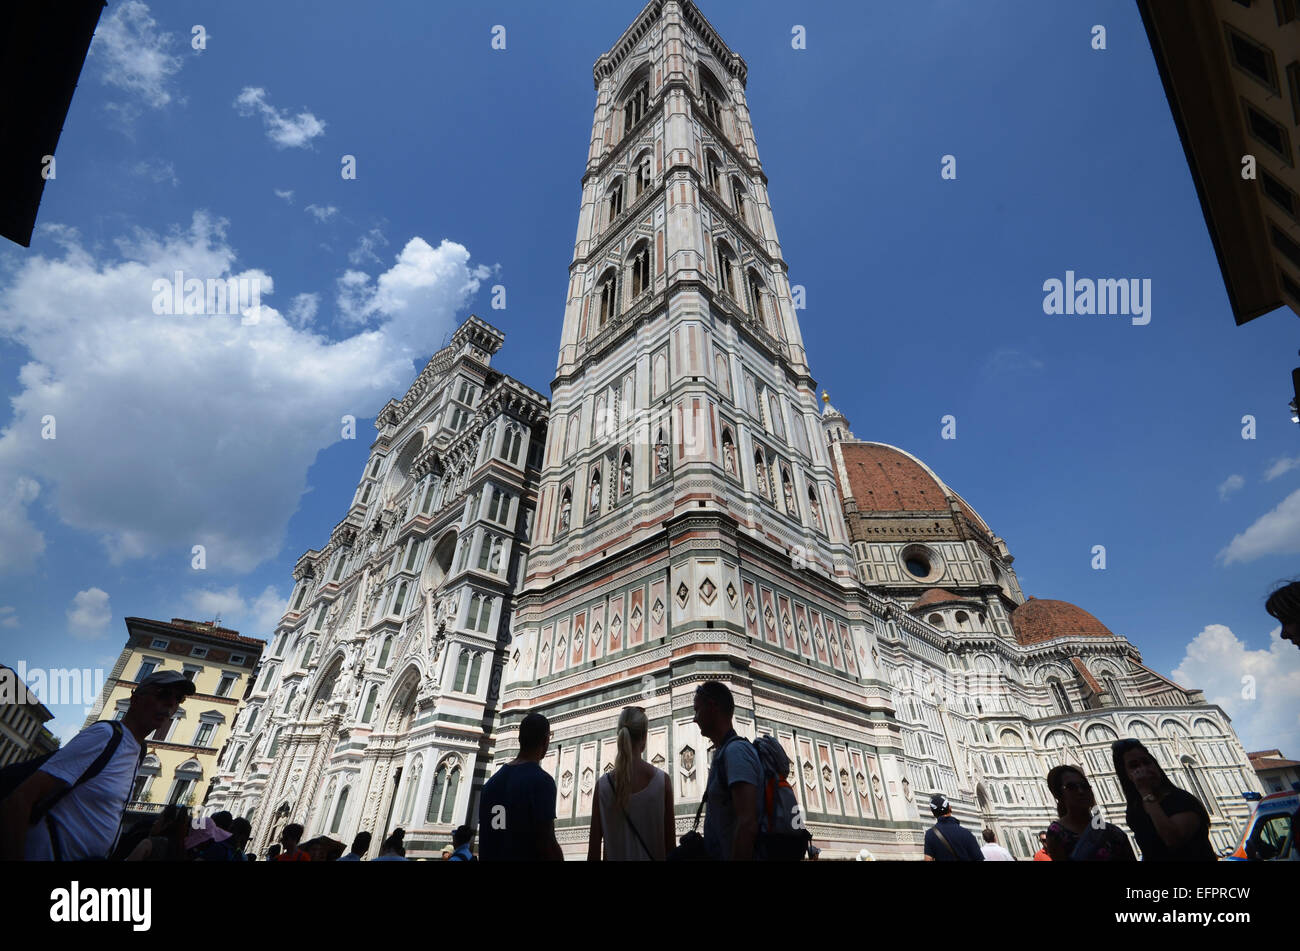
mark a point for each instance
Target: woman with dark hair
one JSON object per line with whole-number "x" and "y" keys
{"x": 1169, "y": 824}
{"x": 1079, "y": 835}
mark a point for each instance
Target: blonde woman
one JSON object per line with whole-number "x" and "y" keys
{"x": 633, "y": 810}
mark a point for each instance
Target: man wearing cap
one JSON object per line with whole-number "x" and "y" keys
{"x": 947, "y": 840}
{"x": 84, "y": 821}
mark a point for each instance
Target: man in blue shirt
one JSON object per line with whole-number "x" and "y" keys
{"x": 516, "y": 813}
{"x": 947, "y": 840}
{"x": 735, "y": 777}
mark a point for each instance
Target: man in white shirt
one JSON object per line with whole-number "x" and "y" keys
{"x": 84, "y": 820}
{"x": 994, "y": 852}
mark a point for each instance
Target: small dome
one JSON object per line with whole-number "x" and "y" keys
{"x": 1041, "y": 620}
{"x": 934, "y": 596}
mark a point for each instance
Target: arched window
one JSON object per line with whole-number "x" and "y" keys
{"x": 480, "y": 613}
{"x": 1099, "y": 733}
{"x": 1112, "y": 688}
{"x": 275, "y": 743}
{"x": 963, "y": 620}
{"x": 1059, "y": 696}
{"x": 462, "y": 670}
{"x": 386, "y": 651}
{"x": 412, "y": 778}
{"x": 288, "y": 699}
{"x": 641, "y": 174}
{"x": 713, "y": 96}
{"x": 1141, "y": 729}
{"x": 514, "y": 442}
{"x": 757, "y": 295}
{"x": 636, "y": 105}
{"x": 442, "y": 796}
{"x": 338, "y": 810}
{"x": 475, "y": 668}
{"x": 738, "y": 199}
{"x": 614, "y": 201}
{"x": 607, "y": 294}
{"x": 399, "y": 600}
{"x": 726, "y": 262}
{"x": 638, "y": 269}
{"x": 936, "y": 619}
{"x": 1199, "y": 790}
{"x": 368, "y": 714}
{"x": 713, "y": 170}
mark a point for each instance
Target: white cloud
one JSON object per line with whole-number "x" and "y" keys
{"x": 8, "y": 617}
{"x": 286, "y": 195}
{"x": 1216, "y": 661}
{"x": 364, "y": 252}
{"x": 302, "y": 310}
{"x": 1274, "y": 533}
{"x": 321, "y": 214}
{"x": 157, "y": 171}
{"x": 285, "y": 131}
{"x": 255, "y": 619}
{"x": 89, "y": 614}
{"x": 133, "y": 55}
{"x": 416, "y": 285}
{"x": 1230, "y": 485}
{"x": 21, "y": 543}
{"x": 1281, "y": 467}
{"x": 199, "y": 429}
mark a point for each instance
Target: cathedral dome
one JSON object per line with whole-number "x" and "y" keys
{"x": 935, "y": 596}
{"x": 1041, "y": 620}
{"x": 885, "y": 479}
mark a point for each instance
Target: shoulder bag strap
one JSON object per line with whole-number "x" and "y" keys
{"x": 945, "y": 842}
{"x": 628, "y": 819}
{"x": 42, "y": 810}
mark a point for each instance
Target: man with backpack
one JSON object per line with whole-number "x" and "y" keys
{"x": 70, "y": 805}
{"x": 947, "y": 840}
{"x": 735, "y": 777}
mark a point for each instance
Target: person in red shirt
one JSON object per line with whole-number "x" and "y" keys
{"x": 1041, "y": 855}
{"x": 289, "y": 840}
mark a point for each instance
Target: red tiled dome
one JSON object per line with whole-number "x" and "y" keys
{"x": 1041, "y": 620}
{"x": 934, "y": 596}
{"x": 885, "y": 479}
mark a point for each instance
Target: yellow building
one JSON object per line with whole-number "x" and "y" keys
{"x": 180, "y": 763}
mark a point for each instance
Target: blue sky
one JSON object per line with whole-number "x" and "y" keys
{"x": 924, "y": 298}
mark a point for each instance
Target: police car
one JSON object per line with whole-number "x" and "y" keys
{"x": 1268, "y": 834}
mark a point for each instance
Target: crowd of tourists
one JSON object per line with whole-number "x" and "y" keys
{"x": 70, "y": 805}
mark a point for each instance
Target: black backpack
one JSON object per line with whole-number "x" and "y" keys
{"x": 15, "y": 774}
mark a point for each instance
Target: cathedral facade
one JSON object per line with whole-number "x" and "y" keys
{"x": 681, "y": 509}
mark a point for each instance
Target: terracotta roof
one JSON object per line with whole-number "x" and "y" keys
{"x": 1041, "y": 620}
{"x": 204, "y": 628}
{"x": 935, "y": 596}
{"x": 885, "y": 479}
{"x": 1086, "y": 674}
{"x": 1270, "y": 759}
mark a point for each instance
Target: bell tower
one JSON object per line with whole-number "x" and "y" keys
{"x": 688, "y": 519}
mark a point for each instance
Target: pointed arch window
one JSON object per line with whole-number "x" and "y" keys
{"x": 339, "y": 809}
{"x": 480, "y": 613}
{"x": 386, "y": 651}
{"x": 368, "y": 715}
{"x": 1059, "y": 696}
{"x": 514, "y": 442}
{"x": 726, "y": 269}
{"x": 713, "y": 169}
{"x": 1112, "y": 688}
{"x": 757, "y": 302}
{"x": 606, "y": 291}
{"x": 642, "y": 177}
{"x": 442, "y": 795}
{"x": 738, "y": 200}
{"x": 636, "y": 106}
{"x": 614, "y": 201}
{"x": 412, "y": 787}
{"x": 399, "y": 601}
{"x": 639, "y": 269}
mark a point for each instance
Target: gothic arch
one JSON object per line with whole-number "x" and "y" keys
{"x": 399, "y": 706}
